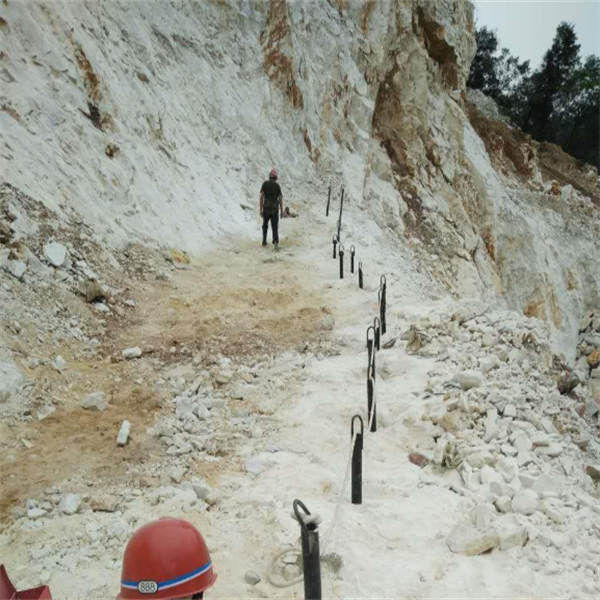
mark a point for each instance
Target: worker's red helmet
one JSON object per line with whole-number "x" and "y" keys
{"x": 273, "y": 173}
{"x": 167, "y": 558}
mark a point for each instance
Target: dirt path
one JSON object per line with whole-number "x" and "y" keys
{"x": 244, "y": 303}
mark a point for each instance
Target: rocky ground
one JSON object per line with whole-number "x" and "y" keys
{"x": 237, "y": 373}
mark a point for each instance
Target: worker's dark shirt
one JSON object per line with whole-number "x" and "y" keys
{"x": 272, "y": 193}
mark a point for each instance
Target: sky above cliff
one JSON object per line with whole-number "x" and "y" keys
{"x": 527, "y": 27}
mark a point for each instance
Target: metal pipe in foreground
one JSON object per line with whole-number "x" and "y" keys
{"x": 310, "y": 554}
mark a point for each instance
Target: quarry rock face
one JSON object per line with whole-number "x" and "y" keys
{"x": 371, "y": 93}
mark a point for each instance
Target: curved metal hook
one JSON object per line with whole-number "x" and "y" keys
{"x": 369, "y": 329}
{"x": 298, "y": 503}
{"x": 362, "y": 425}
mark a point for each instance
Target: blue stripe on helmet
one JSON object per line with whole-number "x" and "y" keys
{"x": 172, "y": 582}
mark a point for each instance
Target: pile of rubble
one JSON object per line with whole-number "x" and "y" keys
{"x": 525, "y": 456}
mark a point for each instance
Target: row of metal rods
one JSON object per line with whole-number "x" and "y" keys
{"x": 309, "y": 531}
{"x": 340, "y": 252}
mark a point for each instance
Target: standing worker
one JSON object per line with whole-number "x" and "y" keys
{"x": 166, "y": 559}
{"x": 271, "y": 206}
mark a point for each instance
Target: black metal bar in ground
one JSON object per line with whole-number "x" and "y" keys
{"x": 339, "y": 231}
{"x": 310, "y": 554}
{"x": 352, "y": 253}
{"x": 360, "y": 276}
{"x": 341, "y": 261}
{"x": 371, "y": 406}
{"x": 335, "y": 241}
{"x": 377, "y": 326}
{"x": 357, "y": 460}
{"x": 383, "y": 284}
{"x": 328, "y": 202}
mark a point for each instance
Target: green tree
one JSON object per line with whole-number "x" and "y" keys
{"x": 496, "y": 74}
{"x": 577, "y": 113}
{"x": 544, "y": 88}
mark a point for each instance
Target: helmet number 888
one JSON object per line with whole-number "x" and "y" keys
{"x": 147, "y": 587}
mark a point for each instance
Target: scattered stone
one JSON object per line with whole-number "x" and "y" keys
{"x": 489, "y": 363}
{"x": 553, "y": 450}
{"x": 522, "y": 442}
{"x": 94, "y": 401}
{"x": 130, "y": 353}
{"x": 177, "y": 474}
{"x": 488, "y": 475}
{"x": 252, "y": 577}
{"x": 567, "y": 464}
{"x": 16, "y": 268}
{"x": 551, "y": 512}
{"x": 104, "y": 504}
{"x": 482, "y": 515}
{"x": 56, "y": 254}
{"x": 503, "y": 504}
{"x": 389, "y": 344}
{"x": 327, "y": 323}
{"x": 418, "y": 459}
{"x": 510, "y": 410}
{"x": 205, "y": 492}
{"x": 93, "y": 291}
{"x": 541, "y": 439}
{"x": 467, "y": 539}
{"x": 27, "y": 444}
{"x": 514, "y": 536}
{"x": 507, "y": 467}
{"x": 593, "y": 471}
{"x": 70, "y": 503}
{"x": 525, "y": 502}
{"x": 123, "y": 435}
{"x": 224, "y": 377}
{"x": 593, "y": 359}
{"x": 468, "y": 379}
{"x": 547, "y": 484}
{"x": 59, "y": 364}
{"x": 567, "y": 383}
{"x": 591, "y": 408}
{"x": 35, "y": 513}
{"x": 45, "y": 412}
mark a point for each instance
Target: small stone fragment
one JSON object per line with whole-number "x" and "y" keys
{"x": 104, "y": 504}
{"x": 418, "y": 459}
{"x": 130, "y": 353}
{"x": 503, "y": 504}
{"x": 525, "y": 502}
{"x": 327, "y": 323}
{"x": 94, "y": 401}
{"x": 467, "y": 539}
{"x": 123, "y": 435}
{"x": 35, "y": 513}
{"x": 56, "y": 254}
{"x": 70, "y": 503}
{"x": 545, "y": 483}
{"x": 59, "y": 364}
{"x": 513, "y": 536}
{"x": 567, "y": 383}
{"x": 468, "y": 379}
{"x": 593, "y": 471}
{"x": 252, "y": 577}
{"x": 177, "y": 474}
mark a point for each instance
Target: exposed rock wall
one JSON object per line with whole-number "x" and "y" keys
{"x": 156, "y": 122}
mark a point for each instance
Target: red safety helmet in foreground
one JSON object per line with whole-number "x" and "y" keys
{"x": 164, "y": 559}
{"x": 274, "y": 173}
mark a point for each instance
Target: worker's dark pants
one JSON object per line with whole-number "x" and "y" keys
{"x": 274, "y": 218}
